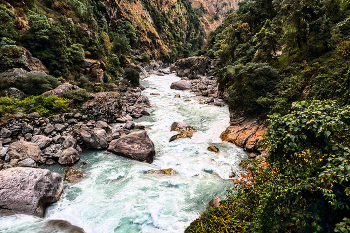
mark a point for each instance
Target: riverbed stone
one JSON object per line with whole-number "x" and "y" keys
{"x": 136, "y": 145}
{"x": 69, "y": 156}
{"x": 22, "y": 150}
{"x": 181, "y": 85}
{"x": 42, "y": 141}
{"x": 213, "y": 149}
{"x": 94, "y": 138}
{"x": 28, "y": 190}
{"x": 72, "y": 175}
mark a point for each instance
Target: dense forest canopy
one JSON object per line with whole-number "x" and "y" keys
{"x": 288, "y": 61}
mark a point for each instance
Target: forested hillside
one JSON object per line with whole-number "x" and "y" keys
{"x": 288, "y": 62}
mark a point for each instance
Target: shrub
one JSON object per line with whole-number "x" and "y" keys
{"x": 8, "y": 105}
{"x": 145, "y": 57}
{"x": 36, "y": 84}
{"x": 79, "y": 96}
{"x": 45, "y": 106}
{"x": 132, "y": 76}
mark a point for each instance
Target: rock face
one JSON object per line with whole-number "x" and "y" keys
{"x": 22, "y": 151}
{"x": 192, "y": 67}
{"x": 181, "y": 85}
{"x": 136, "y": 145}
{"x": 31, "y": 63}
{"x": 28, "y": 190}
{"x": 244, "y": 132}
{"x": 61, "y": 90}
{"x": 185, "y": 130}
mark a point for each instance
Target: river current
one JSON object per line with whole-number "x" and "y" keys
{"x": 117, "y": 195}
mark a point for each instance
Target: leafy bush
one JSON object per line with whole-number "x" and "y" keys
{"x": 36, "y": 84}
{"x": 145, "y": 57}
{"x": 132, "y": 76}
{"x": 44, "y": 106}
{"x": 304, "y": 186}
{"x": 79, "y": 96}
{"x": 9, "y": 54}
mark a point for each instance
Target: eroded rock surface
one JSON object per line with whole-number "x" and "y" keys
{"x": 28, "y": 190}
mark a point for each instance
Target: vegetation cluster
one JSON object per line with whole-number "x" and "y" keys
{"x": 287, "y": 60}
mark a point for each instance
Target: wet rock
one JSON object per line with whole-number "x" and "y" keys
{"x": 136, "y": 145}
{"x": 167, "y": 172}
{"x": 177, "y": 96}
{"x": 22, "y": 150}
{"x": 94, "y": 139}
{"x": 181, "y": 135}
{"x": 177, "y": 126}
{"x": 50, "y": 162}
{"x": 181, "y": 85}
{"x": 215, "y": 202}
{"x": 42, "y": 141}
{"x": 72, "y": 175}
{"x": 62, "y": 226}
{"x": 129, "y": 125}
{"x": 28, "y": 190}
{"x": 61, "y": 90}
{"x": 154, "y": 94}
{"x": 69, "y": 156}
{"x": 213, "y": 149}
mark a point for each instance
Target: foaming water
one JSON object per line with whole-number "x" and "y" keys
{"x": 118, "y": 196}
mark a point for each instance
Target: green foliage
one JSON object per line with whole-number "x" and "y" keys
{"x": 303, "y": 187}
{"x": 248, "y": 83}
{"x": 76, "y": 53}
{"x": 44, "y": 106}
{"x": 113, "y": 65}
{"x": 36, "y": 84}
{"x": 79, "y": 96}
{"x": 132, "y": 76}
{"x": 9, "y": 54}
{"x": 7, "y": 25}
{"x": 83, "y": 81}
{"x": 145, "y": 57}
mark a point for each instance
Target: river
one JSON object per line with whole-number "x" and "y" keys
{"x": 118, "y": 196}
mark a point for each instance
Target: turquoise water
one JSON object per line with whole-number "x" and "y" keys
{"x": 117, "y": 195}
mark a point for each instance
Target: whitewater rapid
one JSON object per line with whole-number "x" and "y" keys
{"x": 117, "y": 195}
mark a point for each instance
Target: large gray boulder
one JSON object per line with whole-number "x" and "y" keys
{"x": 95, "y": 138}
{"x": 42, "y": 141}
{"x": 136, "y": 145}
{"x": 181, "y": 85}
{"x": 22, "y": 150}
{"x": 28, "y": 190}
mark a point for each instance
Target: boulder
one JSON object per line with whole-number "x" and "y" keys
{"x": 69, "y": 156}
{"x": 167, "y": 172}
{"x": 42, "y": 141}
{"x": 27, "y": 163}
{"x": 69, "y": 141}
{"x": 181, "y": 85}
{"x": 72, "y": 175}
{"x": 28, "y": 190}
{"x": 22, "y": 150}
{"x": 185, "y": 130}
{"x": 129, "y": 125}
{"x": 94, "y": 138}
{"x": 16, "y": 93}
{"x": 62, "y": 226}
{"x": 213, "y": 149}
{"x": 104, "y": 125}
{"x": 31, "y": 63}
{"x": 5, "y": 133}
{"x": 49, "y": 128}
{"x": 61, "y": 90}
{"x": 136, "y": 145}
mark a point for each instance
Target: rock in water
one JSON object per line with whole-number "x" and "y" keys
{"x": 28, "y": 190}
{"x": 185, "y": 130}
{"x": 95, "y": 138}
{"x": 71, "y": 175}
{"x": 213, "y": 149}
{"x": 181, "y": 85}
{"x": 136, "y": 145}
{"x": 168, "y": 172}
{"x": 62, "y": 225}
{"x": 69, "y": 156}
